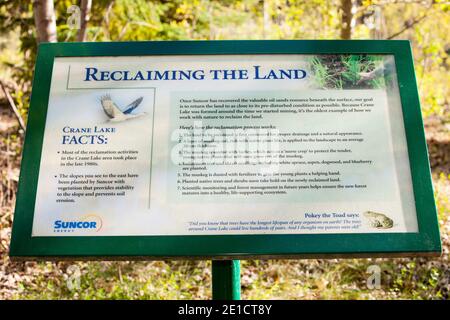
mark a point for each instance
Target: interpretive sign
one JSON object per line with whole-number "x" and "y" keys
{"x": 225, "y": 149}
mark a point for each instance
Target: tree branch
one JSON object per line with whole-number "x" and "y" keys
{"x": 414, "y": 22}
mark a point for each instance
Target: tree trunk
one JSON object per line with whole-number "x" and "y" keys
{"x": 45, "y": 20}
{"x": 347, "y": 16}
{"x": 85, "y": 12}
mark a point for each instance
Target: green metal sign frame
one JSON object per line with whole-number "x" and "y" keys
{"x": 425, "y": 242}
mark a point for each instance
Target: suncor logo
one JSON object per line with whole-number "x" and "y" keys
{"x": 86, "y": 223}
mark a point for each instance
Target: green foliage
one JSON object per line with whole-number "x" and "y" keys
{"x": 442, "y": 196}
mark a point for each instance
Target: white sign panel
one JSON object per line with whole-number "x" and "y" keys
{"x": 244, "y": 144}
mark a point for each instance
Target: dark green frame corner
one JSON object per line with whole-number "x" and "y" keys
{"x": 425, "y": 242}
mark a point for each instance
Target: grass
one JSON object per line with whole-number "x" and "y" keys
{"x": 417, "y": 278}
{"x": 346, "y": 71}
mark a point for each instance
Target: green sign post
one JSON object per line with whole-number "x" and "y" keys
{"x": 225, "y": 150}
{"x": 226, "y": 280}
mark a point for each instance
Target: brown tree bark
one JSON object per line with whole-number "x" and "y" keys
{"x": 45, "y": 20}
{"x": 85, "y": 13}
{"x": 347, "y": 16}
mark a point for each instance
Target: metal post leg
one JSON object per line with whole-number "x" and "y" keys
{"x": 226, "y": 280}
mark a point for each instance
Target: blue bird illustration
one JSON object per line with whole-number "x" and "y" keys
{"x": 115, "y": 114}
